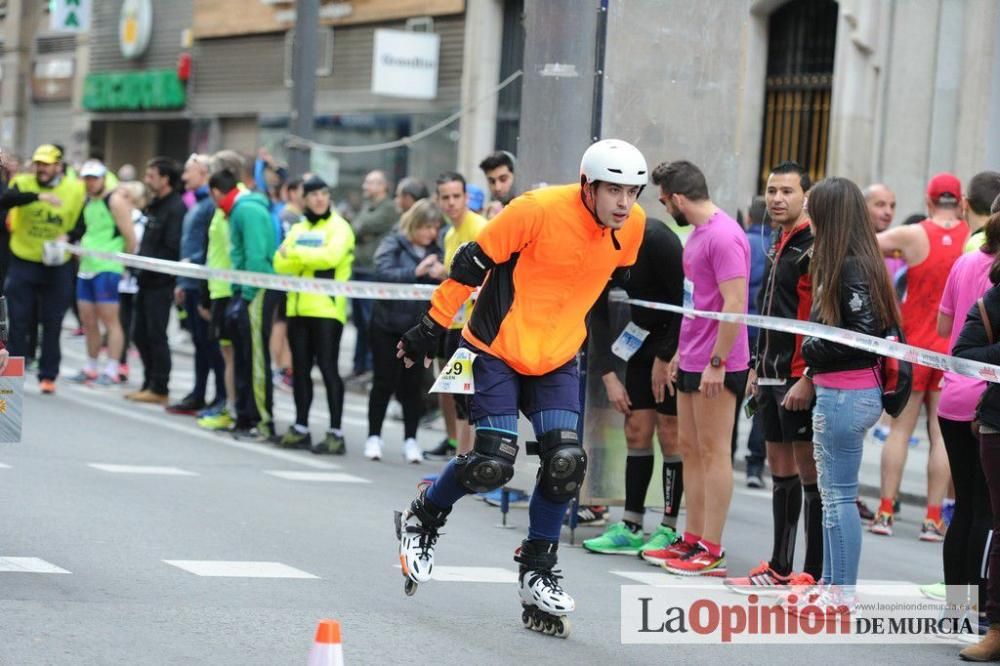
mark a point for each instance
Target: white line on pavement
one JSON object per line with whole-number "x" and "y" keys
{"x": 335, "y": 477}
{"x": 164, "y": 421}
{"x": 4, "y": 466}
{"x": 29, "y": 565}
{"x": 238, "y": 569}
{"x": 447, "y": 574}
{"x": 141, "y": 469}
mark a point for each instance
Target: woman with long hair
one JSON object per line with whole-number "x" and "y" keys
{"x": 408, "y": 255}
{"x": 851, "y": 290}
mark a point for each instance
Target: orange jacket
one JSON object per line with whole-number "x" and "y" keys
{"x": 552, "y": 262}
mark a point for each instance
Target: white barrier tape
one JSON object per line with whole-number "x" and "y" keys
{"x": 374, "y": 290}
{"x": 415, "y": 292}
{"x": 869, "y": 343}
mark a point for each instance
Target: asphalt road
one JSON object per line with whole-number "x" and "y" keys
{"x": 157, "y": 543}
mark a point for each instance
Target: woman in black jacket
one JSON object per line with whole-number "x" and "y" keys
{"x": 410, "y": 255}
{"x": 978, "y": 342}
{"x": 851, "y": 290}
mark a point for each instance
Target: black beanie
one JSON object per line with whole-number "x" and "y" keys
{"x": 313, "y": 184}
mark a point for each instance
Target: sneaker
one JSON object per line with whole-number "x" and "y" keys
{"x": 443, "y": 451}
{"x": 827, "y": 604}
{"x": 278, "y": 381}
{"x": 880, "y": 433}
{"x": 697, "y": 562}
{"x": 188, "y": 405}
{"x": 221, "y": 420}
{"x": 763, "y": 577}
{"x": 618, "y": 539}
{"x": 516, "y": 499}
{"x": 947, "y": 512}
{"x": 882, "y": 524}
{"x": 373, "y": 448}
{"x": 251, "y": 434}
{"x": 216, "y": 407}
{"x": 755, "y": 480}
{"x": 84, "y": 377}
{"x": 123, "y": 373}
{"x": 589, "y": 516}
{"x": 863, "y": 510}
{"x": 661, "y": 538}
{"x": 932, "y": 530}
{"x": 332, "y": 444}
{"x": 293, "y": 439}
{"x": 412, "y": 452}
{"x": 679, "y": 548}
{"x": 105, "y": 381}
{"x": 936, "y": 591}
{"x": 47, "y": 386}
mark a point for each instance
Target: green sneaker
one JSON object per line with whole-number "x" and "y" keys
{"x": 934, "y": 591}
{"x": 617, "y": 540}
{"x": 220, "y": 421}
{"x": 663, "y": 537}
{"x": 293, "y": 439}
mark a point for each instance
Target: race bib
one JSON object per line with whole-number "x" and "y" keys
{"x": 629, "y": 341}
{"x": 457, "y": 374}
{"x": 11, "y": 397}
{"x": 53, "y": 254}
{"x": 689, "y": 296}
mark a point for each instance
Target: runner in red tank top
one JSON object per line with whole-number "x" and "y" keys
{"x": 929, "y": 248}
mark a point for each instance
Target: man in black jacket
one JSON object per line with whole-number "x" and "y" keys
{"x": 161, "y": 240}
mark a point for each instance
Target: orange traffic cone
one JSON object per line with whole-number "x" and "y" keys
{"x": 326, "y": 649}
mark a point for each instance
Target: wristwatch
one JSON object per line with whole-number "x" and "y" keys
{"x": 716, "y": 362}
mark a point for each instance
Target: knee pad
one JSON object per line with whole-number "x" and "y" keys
{"x": 491, "y": 463}
{"x": 564, "y": 465}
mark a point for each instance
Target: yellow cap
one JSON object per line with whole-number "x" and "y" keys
{"x": 47, "y": 154}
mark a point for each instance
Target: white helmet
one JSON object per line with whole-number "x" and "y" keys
{"x": 614, "y": 161}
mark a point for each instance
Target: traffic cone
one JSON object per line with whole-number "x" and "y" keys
{"x": 326, "y": 649}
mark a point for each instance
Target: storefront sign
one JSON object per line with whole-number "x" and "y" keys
{"x": 52, "y": 79}
{"x": 135, "y": 27}
{"x": 69, "y": 15}
{"x": 133, "y": 91}
{"x": 405, "y": 64}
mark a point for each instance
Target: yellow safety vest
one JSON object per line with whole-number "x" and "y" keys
{"x": 32, "y": 225}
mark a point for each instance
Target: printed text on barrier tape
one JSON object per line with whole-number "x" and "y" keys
{"x": 373, "y": 290}
{"x": 869, "y": 343}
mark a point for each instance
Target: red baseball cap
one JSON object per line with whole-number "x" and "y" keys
{"x": 944, "y": 185}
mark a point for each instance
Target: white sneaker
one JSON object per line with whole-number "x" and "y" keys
{"x": 412, "y": 451}
{"x": 373, "y": 448}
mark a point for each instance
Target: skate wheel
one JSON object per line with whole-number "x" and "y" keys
{"x": 409, "y": 587}
{"x": 562, "y": 627}
{"x": 549, "y": 627}
{"x": 526, "y": 618}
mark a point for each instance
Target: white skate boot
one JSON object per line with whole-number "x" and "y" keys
{"x": 417, "y": 531}
{"x": 544, "y": 602}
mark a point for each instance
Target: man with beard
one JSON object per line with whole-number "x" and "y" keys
{"x": 498, "y": 168}
{"x": 46, "y": 207}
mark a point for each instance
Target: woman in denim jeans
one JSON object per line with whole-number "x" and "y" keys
{"x": 978, "y": 342}
{"x": 851, "y": 290}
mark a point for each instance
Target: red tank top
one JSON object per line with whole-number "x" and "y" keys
{"x": 925, "y": 284}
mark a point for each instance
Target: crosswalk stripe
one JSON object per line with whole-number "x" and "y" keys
{"x": 239, "y": 569}
{"x": 141, "y": 469}
{"x": 29, "y": 565}
{"x": 4, "y": 466}
{"x": 334, "y": 477}
{"x": 447, "y": 574}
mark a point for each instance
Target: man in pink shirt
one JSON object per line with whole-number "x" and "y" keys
{"x": 711, "y": 364}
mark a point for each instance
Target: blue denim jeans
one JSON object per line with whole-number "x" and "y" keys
{"x": 840, "y": 420}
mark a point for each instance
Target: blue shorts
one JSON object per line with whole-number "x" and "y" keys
{"x": 102, "y": 288}
{"x": 501, "y": 391}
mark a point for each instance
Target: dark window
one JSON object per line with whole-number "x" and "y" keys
{"x": 511, "y": 60}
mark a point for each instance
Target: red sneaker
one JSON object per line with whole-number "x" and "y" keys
{"x": 765, "y": 580}
{"x": 679, "y": 548}
{"x": 698, "y": 562}
{"x": 47, "y": 386}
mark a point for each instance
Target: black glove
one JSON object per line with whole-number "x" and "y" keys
{"x": 421, "y": 341}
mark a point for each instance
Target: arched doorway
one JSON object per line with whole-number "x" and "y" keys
{"x": 802, "y": 37}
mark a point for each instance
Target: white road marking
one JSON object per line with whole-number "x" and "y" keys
{"x": 334, "y": 477}
{"x": 660, "y": 578}
{"x": 156, "y": 417}
{"x": 446, "y": 574}
{"x": 141, "y": 469}
{"x": 29, "y": 565}
{"x": 4, "y": 466}
{"x": 238, "y": 569}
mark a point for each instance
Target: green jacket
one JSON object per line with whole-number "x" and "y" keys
{"x": 251, "y": 237}
{"x": 372, "y": 225}
{"x": 321, "y": 250}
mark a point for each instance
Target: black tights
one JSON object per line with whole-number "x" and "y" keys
{"x": 388, "y": 377}
{"x": 316, "y": 340}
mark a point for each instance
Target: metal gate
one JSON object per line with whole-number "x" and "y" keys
{"x": 801, "y": 42}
